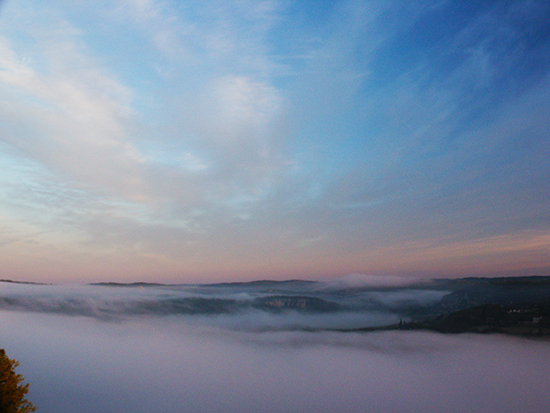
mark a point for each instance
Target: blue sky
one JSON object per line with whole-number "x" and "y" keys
{"x": 236, "y": 140}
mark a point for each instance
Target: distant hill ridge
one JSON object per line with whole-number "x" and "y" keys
{"x": 510, "y": 305}
{"x": 23, "y": 282}
{"x": 513, "y": 280}
{"x": 258, "y": 283}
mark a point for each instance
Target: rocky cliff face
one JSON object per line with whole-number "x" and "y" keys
{"x": 299, "y": 303}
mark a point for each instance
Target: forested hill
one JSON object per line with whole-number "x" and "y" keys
{"x": 513, "y": 305}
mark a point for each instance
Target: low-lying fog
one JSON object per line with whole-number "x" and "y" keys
{"x": 250, "y": 360}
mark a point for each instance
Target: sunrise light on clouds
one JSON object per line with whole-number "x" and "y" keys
{"x": 168, "y": 141}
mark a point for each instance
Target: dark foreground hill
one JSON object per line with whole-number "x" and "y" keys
{"x": 514, "y": 305}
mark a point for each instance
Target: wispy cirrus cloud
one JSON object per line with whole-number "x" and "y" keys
{"x": 73, "y": 121}
{"x": 272, "y": 130}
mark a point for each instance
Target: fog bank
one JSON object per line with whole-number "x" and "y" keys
{"x": 80, "y": 365}
{"x": 258, "y": 347}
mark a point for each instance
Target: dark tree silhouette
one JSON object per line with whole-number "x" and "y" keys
{"x": 12, "y": 391}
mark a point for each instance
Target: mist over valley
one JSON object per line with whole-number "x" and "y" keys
{"x": 271, "y": 346}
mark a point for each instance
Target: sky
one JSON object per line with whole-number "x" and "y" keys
{"x": 205, "y": 141}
